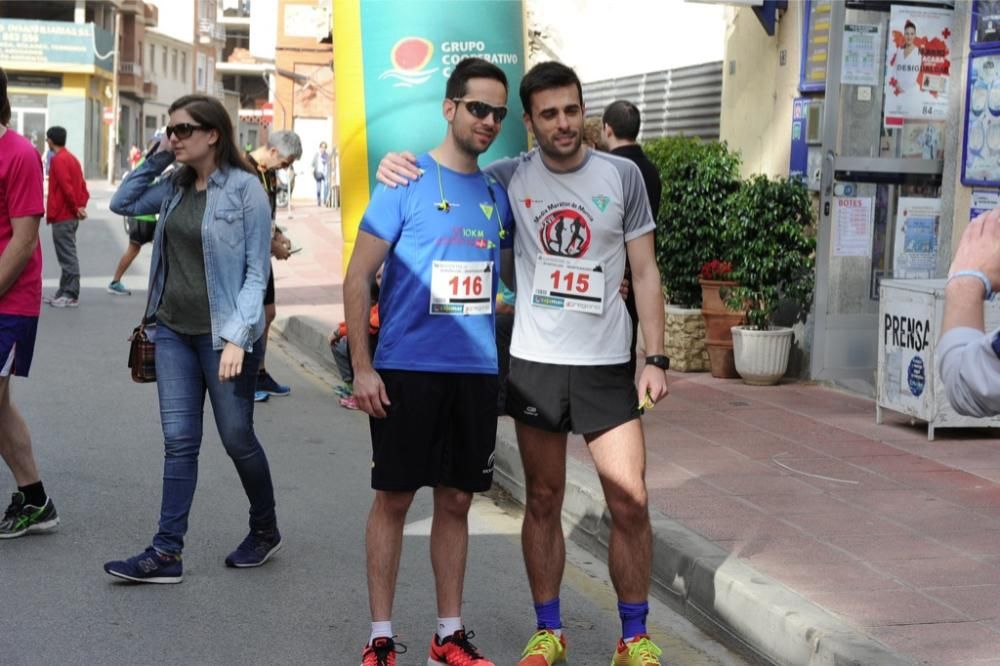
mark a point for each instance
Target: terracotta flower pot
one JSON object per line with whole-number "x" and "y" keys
{"x": 719, "y": 320}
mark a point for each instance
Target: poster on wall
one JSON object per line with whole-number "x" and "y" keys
{"x": 985, "y": 32}
{"x": 852, "y": 227}
{"x": 918, "y": 64}
{"x": 983, "y": 201}
{"x": 915, "y": 251}
{"x": 815, "y": 46}
{"x": 922, "y": 140}
{"x": 861, "y": 61}
{"x": 981, "y": 146}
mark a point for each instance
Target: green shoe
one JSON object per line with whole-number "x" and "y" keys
{"x": 21, "y": 518}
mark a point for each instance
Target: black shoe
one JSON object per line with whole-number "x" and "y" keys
{"x": 256, "y": 549}
{"x": 21, "y": 518}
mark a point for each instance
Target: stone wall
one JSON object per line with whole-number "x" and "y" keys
{"x": 684, "y": 340}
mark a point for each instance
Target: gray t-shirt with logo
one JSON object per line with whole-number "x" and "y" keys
{"x": 576, "y": 224}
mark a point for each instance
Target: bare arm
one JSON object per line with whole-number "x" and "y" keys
{"x": 17, "y": 253}
{"x": 507, "y": 269}
{"x": 369, "y": 252}
{"x": 649, "y": 303}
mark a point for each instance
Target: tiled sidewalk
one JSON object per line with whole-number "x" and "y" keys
{"x": 898, "y": 536}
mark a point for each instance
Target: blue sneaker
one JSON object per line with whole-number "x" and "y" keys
{"x": 118, "y": 289}
{"x": 266, "y": 383}
{"x": 255, "y": 550}
{"x": 149, "y": 566}
{"x": 261, "y": 396}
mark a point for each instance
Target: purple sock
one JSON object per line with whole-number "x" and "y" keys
{"x": 548, "y": 614}
{"x": 633, "y": 618}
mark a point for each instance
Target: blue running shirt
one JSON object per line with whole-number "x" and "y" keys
{"x": 411, "y": 219}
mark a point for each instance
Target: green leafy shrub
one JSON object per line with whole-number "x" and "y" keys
{"x": 698, "y": 176}
{"x": 770, "y": 221}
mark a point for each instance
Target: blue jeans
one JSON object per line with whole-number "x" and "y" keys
{"x": 322, "y": 191}
{"x": 187, "y": 366}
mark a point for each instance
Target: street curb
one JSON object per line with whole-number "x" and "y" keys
{"x": 697, "y": 578}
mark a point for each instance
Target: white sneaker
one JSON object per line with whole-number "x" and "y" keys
{"x": 47, "y": 300}
{"x": 64, "y": 302}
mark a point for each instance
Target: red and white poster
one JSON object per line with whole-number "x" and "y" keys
{"x": 918, "y": 64}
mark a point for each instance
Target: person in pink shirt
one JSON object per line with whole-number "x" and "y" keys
{"x": 21, "y": 210}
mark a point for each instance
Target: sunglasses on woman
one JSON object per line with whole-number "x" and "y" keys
{"x": 482, "y": 109}
{"x": 183, "y": 130}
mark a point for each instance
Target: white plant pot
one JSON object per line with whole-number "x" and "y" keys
{"x": 761, "y": 356}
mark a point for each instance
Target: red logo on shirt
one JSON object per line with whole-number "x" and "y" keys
{"x": 565, "y": 232}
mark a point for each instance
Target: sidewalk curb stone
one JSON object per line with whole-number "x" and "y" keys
{"x": 698, "y": 579}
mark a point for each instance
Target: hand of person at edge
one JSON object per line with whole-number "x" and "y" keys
{"x": 231, "y": 363}
{"x": 653, "y": 382}
{"x": 398, "y": 169}
{"x": 979, "y": 248}
{"x": 280, "y": 249}
{"x": 81, "y": 213}
{"x": 370, "y": 393}
{"x": 623, "y": 288}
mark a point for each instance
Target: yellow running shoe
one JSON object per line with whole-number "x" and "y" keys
{"x": 640, "y": 651}
{"x": 544, "y": 648}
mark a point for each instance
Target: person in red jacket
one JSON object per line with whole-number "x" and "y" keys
{"x": 67, "y": 205}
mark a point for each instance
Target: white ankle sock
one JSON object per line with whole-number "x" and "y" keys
{"x": 448, "y": 626}
{"x": 380, "y": 630}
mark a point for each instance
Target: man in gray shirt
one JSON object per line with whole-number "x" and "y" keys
{"x": 969, "y": 358}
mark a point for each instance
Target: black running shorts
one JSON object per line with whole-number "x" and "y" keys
{"x": 580, "y": 398}
{"x": 440, "y": 430}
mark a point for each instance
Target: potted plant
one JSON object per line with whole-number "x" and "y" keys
{"x": 719, "y": 317}
{"x": 697, "y": 178}
{"x": 771, "y": 222}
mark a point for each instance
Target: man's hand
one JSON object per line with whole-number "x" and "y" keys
{"x": 652, "y": 383}
{"x": 81, "y": 213}
{"x": 624, "y": 287}
{"x": 370, "y": 393}
{"x": 979, "y": 249}
{"x": 231, "y": 363}
{"x": 398, "y": 169}
{"x": 280, "y": 246}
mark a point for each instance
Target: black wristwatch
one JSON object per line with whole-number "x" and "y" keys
{"x": 660, "y": 361}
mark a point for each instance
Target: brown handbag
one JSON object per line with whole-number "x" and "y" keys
{"x": 142, "y": 356}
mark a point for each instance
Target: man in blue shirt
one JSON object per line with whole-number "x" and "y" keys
{"x": 431, "y": 390}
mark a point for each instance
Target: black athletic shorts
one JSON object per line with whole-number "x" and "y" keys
{"x": 269, "y": 292}
{"x": 140, "y": 232}
{"x": 579, "y": 398}
{"x": 440, "y": 430}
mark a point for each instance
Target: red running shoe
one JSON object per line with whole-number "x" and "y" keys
{"x": 382, "y": 652}
{"x": 456, "y": 650}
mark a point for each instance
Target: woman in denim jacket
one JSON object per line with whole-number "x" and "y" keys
{"x": 211, "y": 255}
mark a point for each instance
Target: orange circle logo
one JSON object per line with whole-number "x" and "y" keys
{"x": 411, "y": 54}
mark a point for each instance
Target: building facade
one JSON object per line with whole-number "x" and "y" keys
{"x": 879, "y": 107}
{"x": 59, "y": 59}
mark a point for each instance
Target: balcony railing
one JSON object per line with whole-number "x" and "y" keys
{"x": 132, "y": 68}
{"x": 234, "y": 9}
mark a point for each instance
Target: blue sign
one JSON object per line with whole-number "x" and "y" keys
{"x": 41, "y": 45}
{"x": 798, "y": 160}
{"x": 916, "y": 376}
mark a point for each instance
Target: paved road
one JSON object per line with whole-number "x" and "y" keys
{"x": 98, "y": 444}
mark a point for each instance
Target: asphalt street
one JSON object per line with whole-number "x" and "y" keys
{"x": 98, "y": 444}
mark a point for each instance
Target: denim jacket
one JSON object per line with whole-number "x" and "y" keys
{"x": 236, "y": 241}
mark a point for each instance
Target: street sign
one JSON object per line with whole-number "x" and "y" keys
{"x": 109, "y": 115}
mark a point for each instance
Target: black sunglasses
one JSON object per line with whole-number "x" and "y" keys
{"x": 482, "y": 109}
{"x": 183, "y": 130}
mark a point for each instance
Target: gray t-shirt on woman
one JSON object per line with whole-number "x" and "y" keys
{"x": 184, "y": 307}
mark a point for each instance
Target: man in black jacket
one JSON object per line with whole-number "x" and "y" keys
{"x": 621, "y": 128}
